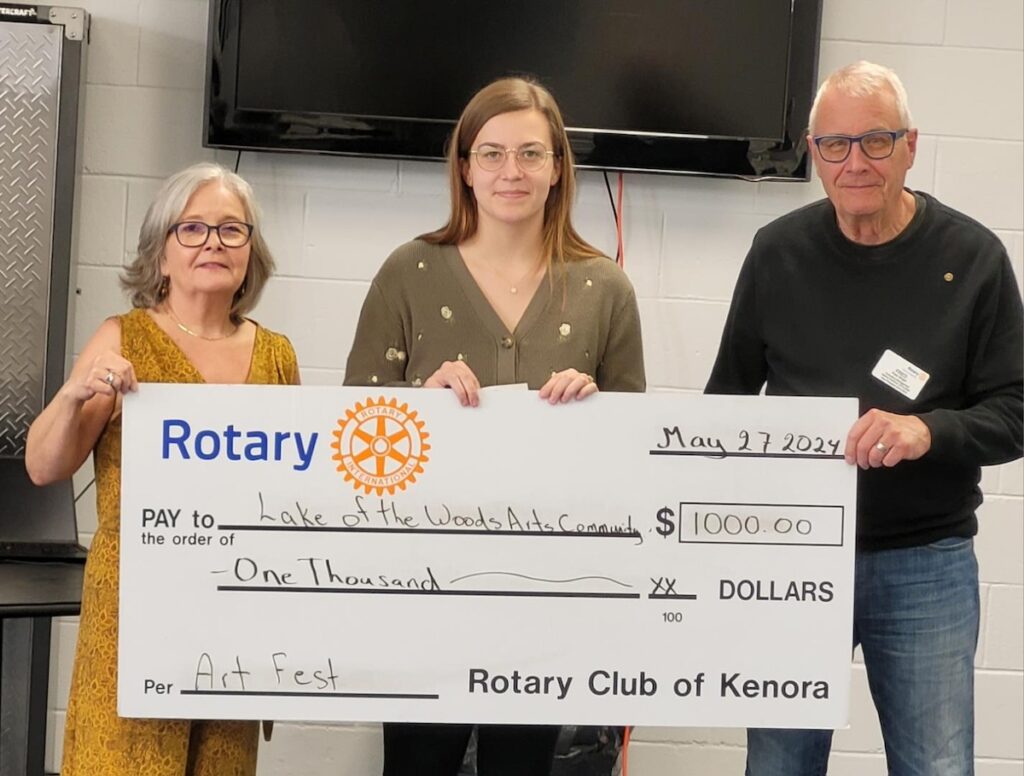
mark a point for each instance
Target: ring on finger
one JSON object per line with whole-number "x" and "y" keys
{"x": 881, "y": 447}
{"x": 109, "y": 379}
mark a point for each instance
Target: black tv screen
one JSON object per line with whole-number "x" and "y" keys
{"x": 715, "y": 87}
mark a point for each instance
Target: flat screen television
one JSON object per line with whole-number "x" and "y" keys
{"x": 706, "y": 87}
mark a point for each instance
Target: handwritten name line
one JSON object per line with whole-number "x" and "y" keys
{"x": 454, "y": 531}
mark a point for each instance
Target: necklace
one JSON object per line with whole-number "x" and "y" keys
{"x": 513, "y": 288}
{"x": 191, "y": 333}
{"x": 529, "y": 274}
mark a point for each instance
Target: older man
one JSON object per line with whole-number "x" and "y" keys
{"x": 888, "y": 295}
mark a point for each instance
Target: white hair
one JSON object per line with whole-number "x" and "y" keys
{"x": 865, "y": 79}
{"x": 143, "y": 278}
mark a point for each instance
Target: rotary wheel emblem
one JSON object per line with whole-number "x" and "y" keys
{"x": 380, "y": 446}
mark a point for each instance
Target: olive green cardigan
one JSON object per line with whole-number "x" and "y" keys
{"x": 424, "y": 308}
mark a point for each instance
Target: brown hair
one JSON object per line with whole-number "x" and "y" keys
{"x": 561, "y": 241}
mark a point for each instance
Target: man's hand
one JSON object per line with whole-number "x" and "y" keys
{"x": 884, "y": 439}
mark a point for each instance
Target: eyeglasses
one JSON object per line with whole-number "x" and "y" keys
{"x": 874, "y": 145}
{"x": 530, "y": 157}
{"x": 192, "y": 234}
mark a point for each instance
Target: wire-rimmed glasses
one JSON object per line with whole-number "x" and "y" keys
{"x": 530, "y": 157}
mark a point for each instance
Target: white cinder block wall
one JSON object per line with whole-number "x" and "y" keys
{"x": 331, "y": 221}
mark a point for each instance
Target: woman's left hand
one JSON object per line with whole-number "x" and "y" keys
{"x": 567, "y": 385}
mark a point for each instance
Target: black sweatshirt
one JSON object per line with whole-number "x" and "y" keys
{"x": 813, "y": 312}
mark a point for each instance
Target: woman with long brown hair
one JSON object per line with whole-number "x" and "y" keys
{"x": 505, "y": 292}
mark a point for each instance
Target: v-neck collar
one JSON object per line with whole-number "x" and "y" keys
{"x": 485, "y": 312}
{"x": 195, "y": 370}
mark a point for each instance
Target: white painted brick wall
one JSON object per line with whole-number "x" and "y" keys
{"x": 331, "y": 221}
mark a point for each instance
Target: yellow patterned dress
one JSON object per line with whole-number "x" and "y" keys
{"x": 96, "y": 741}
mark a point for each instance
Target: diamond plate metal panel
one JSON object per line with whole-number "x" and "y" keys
{"x": 30, "y": 57}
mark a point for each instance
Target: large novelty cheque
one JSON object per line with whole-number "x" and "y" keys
{"x": 350, "y": 554}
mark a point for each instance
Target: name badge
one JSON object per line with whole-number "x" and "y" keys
{"x": 900, "y": 375}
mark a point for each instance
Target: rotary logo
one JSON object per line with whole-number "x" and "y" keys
{"x": 380, "y": 446}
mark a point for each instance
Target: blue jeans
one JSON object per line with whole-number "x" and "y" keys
{"x": 915, "y": 615}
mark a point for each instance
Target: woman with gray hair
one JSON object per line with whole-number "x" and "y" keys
{"x": 201, "y": 265}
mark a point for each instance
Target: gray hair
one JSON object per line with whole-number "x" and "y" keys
{"x": 865, "y": 79}
{"x": 144, "y": 281}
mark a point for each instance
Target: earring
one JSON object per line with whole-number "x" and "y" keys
{"x": 165, "y": 286}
